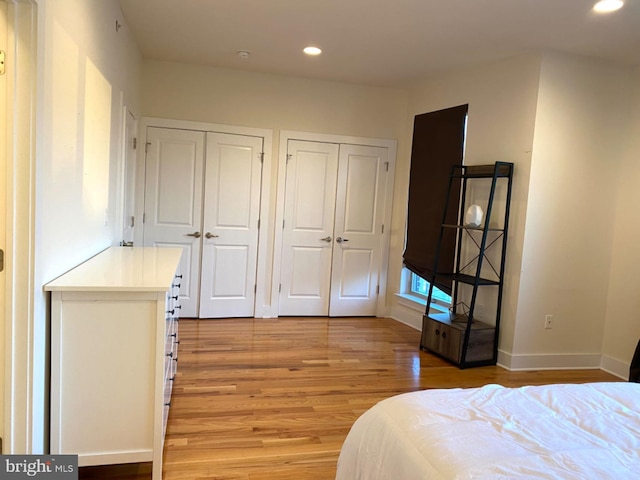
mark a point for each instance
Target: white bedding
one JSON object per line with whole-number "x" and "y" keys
{"x": 589, "y": 431}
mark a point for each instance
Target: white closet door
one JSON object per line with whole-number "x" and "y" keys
{"x": 173, "y": 203}
{"x": 358, "y": 230}
{"x": 310, "y": 194}
{"x": 231, "y": 215}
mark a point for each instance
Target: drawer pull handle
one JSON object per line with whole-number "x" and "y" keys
{"x": 175, "y": 298}
{"x": 178, "y": 307}
{"x": 176, "y": 285}
{"x": 170, "y": 354}
{"x": 177, "y": 342}
{"x": 174, "y": 335}
{"x": 178, "y": 276}
{"x": 168, "y": 404}
{"x": 175, "y": 359}
{"x": 172, "y": 379}
{"x": 170, "y": 311}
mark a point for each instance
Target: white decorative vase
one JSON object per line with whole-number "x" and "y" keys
{"x": 474, "y": 216}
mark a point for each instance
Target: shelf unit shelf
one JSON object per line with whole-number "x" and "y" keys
{"x": 467, "y": 279}
{"x": 478, "y": 229}
{"x": 458, "y": 335}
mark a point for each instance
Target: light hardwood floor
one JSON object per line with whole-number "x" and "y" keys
{"x": 259, "y": 399}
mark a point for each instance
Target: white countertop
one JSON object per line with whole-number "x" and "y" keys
{"x": 133, "y": 269}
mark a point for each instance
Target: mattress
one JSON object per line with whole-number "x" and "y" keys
{"x": 588, "y": 431}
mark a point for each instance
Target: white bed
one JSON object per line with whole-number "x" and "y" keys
{"x": 589, "y": 431}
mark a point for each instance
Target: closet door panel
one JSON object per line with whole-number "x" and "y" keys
{"x": 173, "y": 202}
{"x": 231, "y": 216}
{"x": 308, "y": 228}
{"x": 358, "y": 230}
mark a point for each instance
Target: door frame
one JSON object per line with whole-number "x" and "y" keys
{"x": 23, "y": 368}
{"x": 126, "y": 185}
{"x": 285, "y": 135}
{"x": 262, "y": 279}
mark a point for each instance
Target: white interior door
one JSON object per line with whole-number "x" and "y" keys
{"x": 129, "y": 178}
{"x": 173, "y": 202}
{"x": 231, "y": 222}
{"x": 358, "y": 230}
{"x": 307, "y": 239}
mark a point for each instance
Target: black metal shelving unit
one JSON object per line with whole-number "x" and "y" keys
{"x": 457, "y": 334}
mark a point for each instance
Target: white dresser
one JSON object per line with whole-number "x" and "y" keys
{"x": 114, "y": 340}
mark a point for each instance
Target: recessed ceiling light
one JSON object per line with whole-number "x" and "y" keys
{"x": 312, "y": 51}
{"x": 606, "y": 6}
{"x": 243, "y": 54}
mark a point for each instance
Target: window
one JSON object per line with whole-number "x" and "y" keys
{"x": 420, "y": 287}
{"x": 438, "y": 145}
{"x": 414, "y": 291}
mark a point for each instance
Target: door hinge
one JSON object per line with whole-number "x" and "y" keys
{"x": 283, "y": 224}
{"x": 289, "y": 157}
{"x": 382, "y": 229}
{"x": 146, "y": 147}
{"x": 135, "y": 143}
{"x": 3, "y": 56}
{"x": 258, "y": 224}
{"x": 279, "y": 288}
{"x": 378, "y": 290}
{"x": 261, "y": 155}
{"x": 144, "y": 217}
{"x": 386, "y": 166}
{"x": 133, "y": 221}
{"x": 255, "y": 288}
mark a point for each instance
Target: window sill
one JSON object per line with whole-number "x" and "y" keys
{"x": 410, "y": 301}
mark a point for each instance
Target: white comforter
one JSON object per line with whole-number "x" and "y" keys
{"x": 589, "y": 431}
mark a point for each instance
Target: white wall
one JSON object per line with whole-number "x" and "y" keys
{"x": 86, "y": 73}
{"x": 89, "y": 72}
{"x": 622, "y": 327}
{"x": 579, "y": 132}
{"x": 502, "y": 105}
{"x": 233, "y": 97}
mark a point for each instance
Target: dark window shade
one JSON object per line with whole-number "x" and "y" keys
{"x": 438, "y": 143}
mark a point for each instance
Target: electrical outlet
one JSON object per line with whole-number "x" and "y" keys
{"x": 548, "y": 321}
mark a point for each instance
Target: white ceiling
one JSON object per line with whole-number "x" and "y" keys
{"x": 376, "y": 42}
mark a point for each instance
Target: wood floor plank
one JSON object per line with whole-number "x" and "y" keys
{"x": 274, "y": 399}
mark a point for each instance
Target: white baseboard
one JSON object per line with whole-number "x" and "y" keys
{"x": 615, "y": 367}
{"x": 555, "y": 361}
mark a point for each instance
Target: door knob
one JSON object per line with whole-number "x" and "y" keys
{"x": 194, "y": 234}
{"x": 211, "y": 235}
{"x": 325, "y": 239}
{"x": 340, "y": 239}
